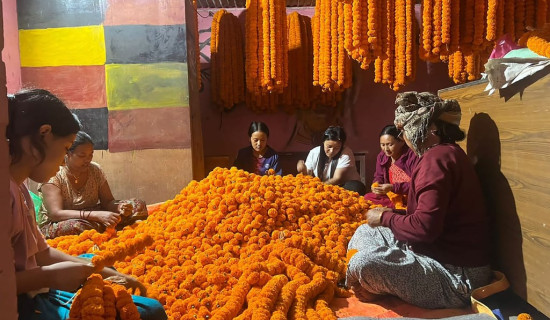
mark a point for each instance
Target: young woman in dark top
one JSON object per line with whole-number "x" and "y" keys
{"x": 258, "y": 158}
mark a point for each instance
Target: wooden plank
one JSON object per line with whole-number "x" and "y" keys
{"x": 194, "y": 99}
{"x": 509, "y": 142}
{"x": 78, "y": 46}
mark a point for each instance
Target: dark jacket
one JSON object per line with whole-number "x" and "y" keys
{"x": 246, "y": 161}
{"x": 407, "y": 162}
{"x": 446, "y": 217}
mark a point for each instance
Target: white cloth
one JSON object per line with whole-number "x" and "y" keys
{"x": 346, "y": 160}
{"x": 515, "y": 66}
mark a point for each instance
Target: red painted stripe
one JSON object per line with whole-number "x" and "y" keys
{"x": 80, "y": 87}
{"x": 159, "y": 128}
{"x": 124, "y": 12}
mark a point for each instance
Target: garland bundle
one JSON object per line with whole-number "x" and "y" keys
{"x": 331, "y": 64}
{"x": 396, "y": 66}
{"x": 227, "y": 64}
{"x": 100, "y": 299}
{"x": 298, "y": 93}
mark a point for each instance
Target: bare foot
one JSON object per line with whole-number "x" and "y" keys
{"x": 365, "y": 296}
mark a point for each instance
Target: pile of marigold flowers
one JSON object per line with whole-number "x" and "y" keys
{"x": 238, "y": 245}
{"x": 101, "y": 299}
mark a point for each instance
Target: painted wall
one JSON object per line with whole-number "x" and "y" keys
{"x": 10, "y": 52}
{"x": 121, "y": 65}
{"x": 367, "y": 108}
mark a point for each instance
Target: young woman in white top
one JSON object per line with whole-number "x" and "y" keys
{"x": 333, "y": 162}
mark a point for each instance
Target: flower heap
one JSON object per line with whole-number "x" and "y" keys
{"x": 463, "y": 33}
{"x": 227, "y": 64}
{"x": 537, "y": 41}
{"x": 100, "y": 299}
{"x": 237, "y": 245}
{"x": 331, "y": 63}
{"x": 266, "y": 53}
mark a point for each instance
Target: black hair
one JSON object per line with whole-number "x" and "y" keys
{"x": 390, "y": 130}
{"x": 81, "y": 138}
{"x": 30, "y": 109}
{"x": 448, "y": 132}
{"x": 256, "y": 126}
{"x": 333, "y": 133}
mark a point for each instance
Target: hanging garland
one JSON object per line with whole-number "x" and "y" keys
{"x": 331, "y": 66}
{"x": 226, "y": 47}
{"x": 266, "y": 53}
{"x": 300, "y": 65}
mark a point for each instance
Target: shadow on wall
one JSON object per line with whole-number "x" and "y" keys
{"x": 483, "y": 147}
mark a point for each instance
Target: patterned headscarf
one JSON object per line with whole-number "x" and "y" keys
{"x": 417, "y": 111}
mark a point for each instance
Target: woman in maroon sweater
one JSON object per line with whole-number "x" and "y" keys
{"x": 437, "y": 253}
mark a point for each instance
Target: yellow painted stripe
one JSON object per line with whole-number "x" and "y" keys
{"x": 77, "y": 46}
{"x": 152, "y": 85}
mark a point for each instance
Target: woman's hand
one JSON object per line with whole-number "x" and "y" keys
{"x": 69, "y": 275}
{"x": 107, "y": 218}
{"x": 301, "y": 167}
{"x": 129, "y": 282}
{"x": 125, "y": 209}
{"x": 374, "y": 216}
{"x": 382, "y": 189}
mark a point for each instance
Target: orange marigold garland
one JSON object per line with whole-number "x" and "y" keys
{"x": 537, "y": 41}
{"x": 99, "y": 299}
{"x": 227, "y": 60}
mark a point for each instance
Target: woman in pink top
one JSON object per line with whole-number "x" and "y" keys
{"x": 41, "y": 129}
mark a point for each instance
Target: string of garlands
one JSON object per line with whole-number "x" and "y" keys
{"x": 537, "y": 40}
{"x": 299, "y": 92}
{"x": 266, "y": 52}
{"x": 227, "y": 64}
{"x": 236, "y": 244}
{"x": 101, "y": 299}
{"x": 463, "y": 33}
{"x": 331, "y": 63}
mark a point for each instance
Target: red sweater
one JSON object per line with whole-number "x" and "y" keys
{"x": 446, "y": 217}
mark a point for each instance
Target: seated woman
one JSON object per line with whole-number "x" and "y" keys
{"x": 438, "y": 252}
{"x": 394, "y": 167}
{"x": 258, "y": 158}
{"x": 333, "y": 162}
{"x": 79, "y": 198}
{"x": 41, "y": 129}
